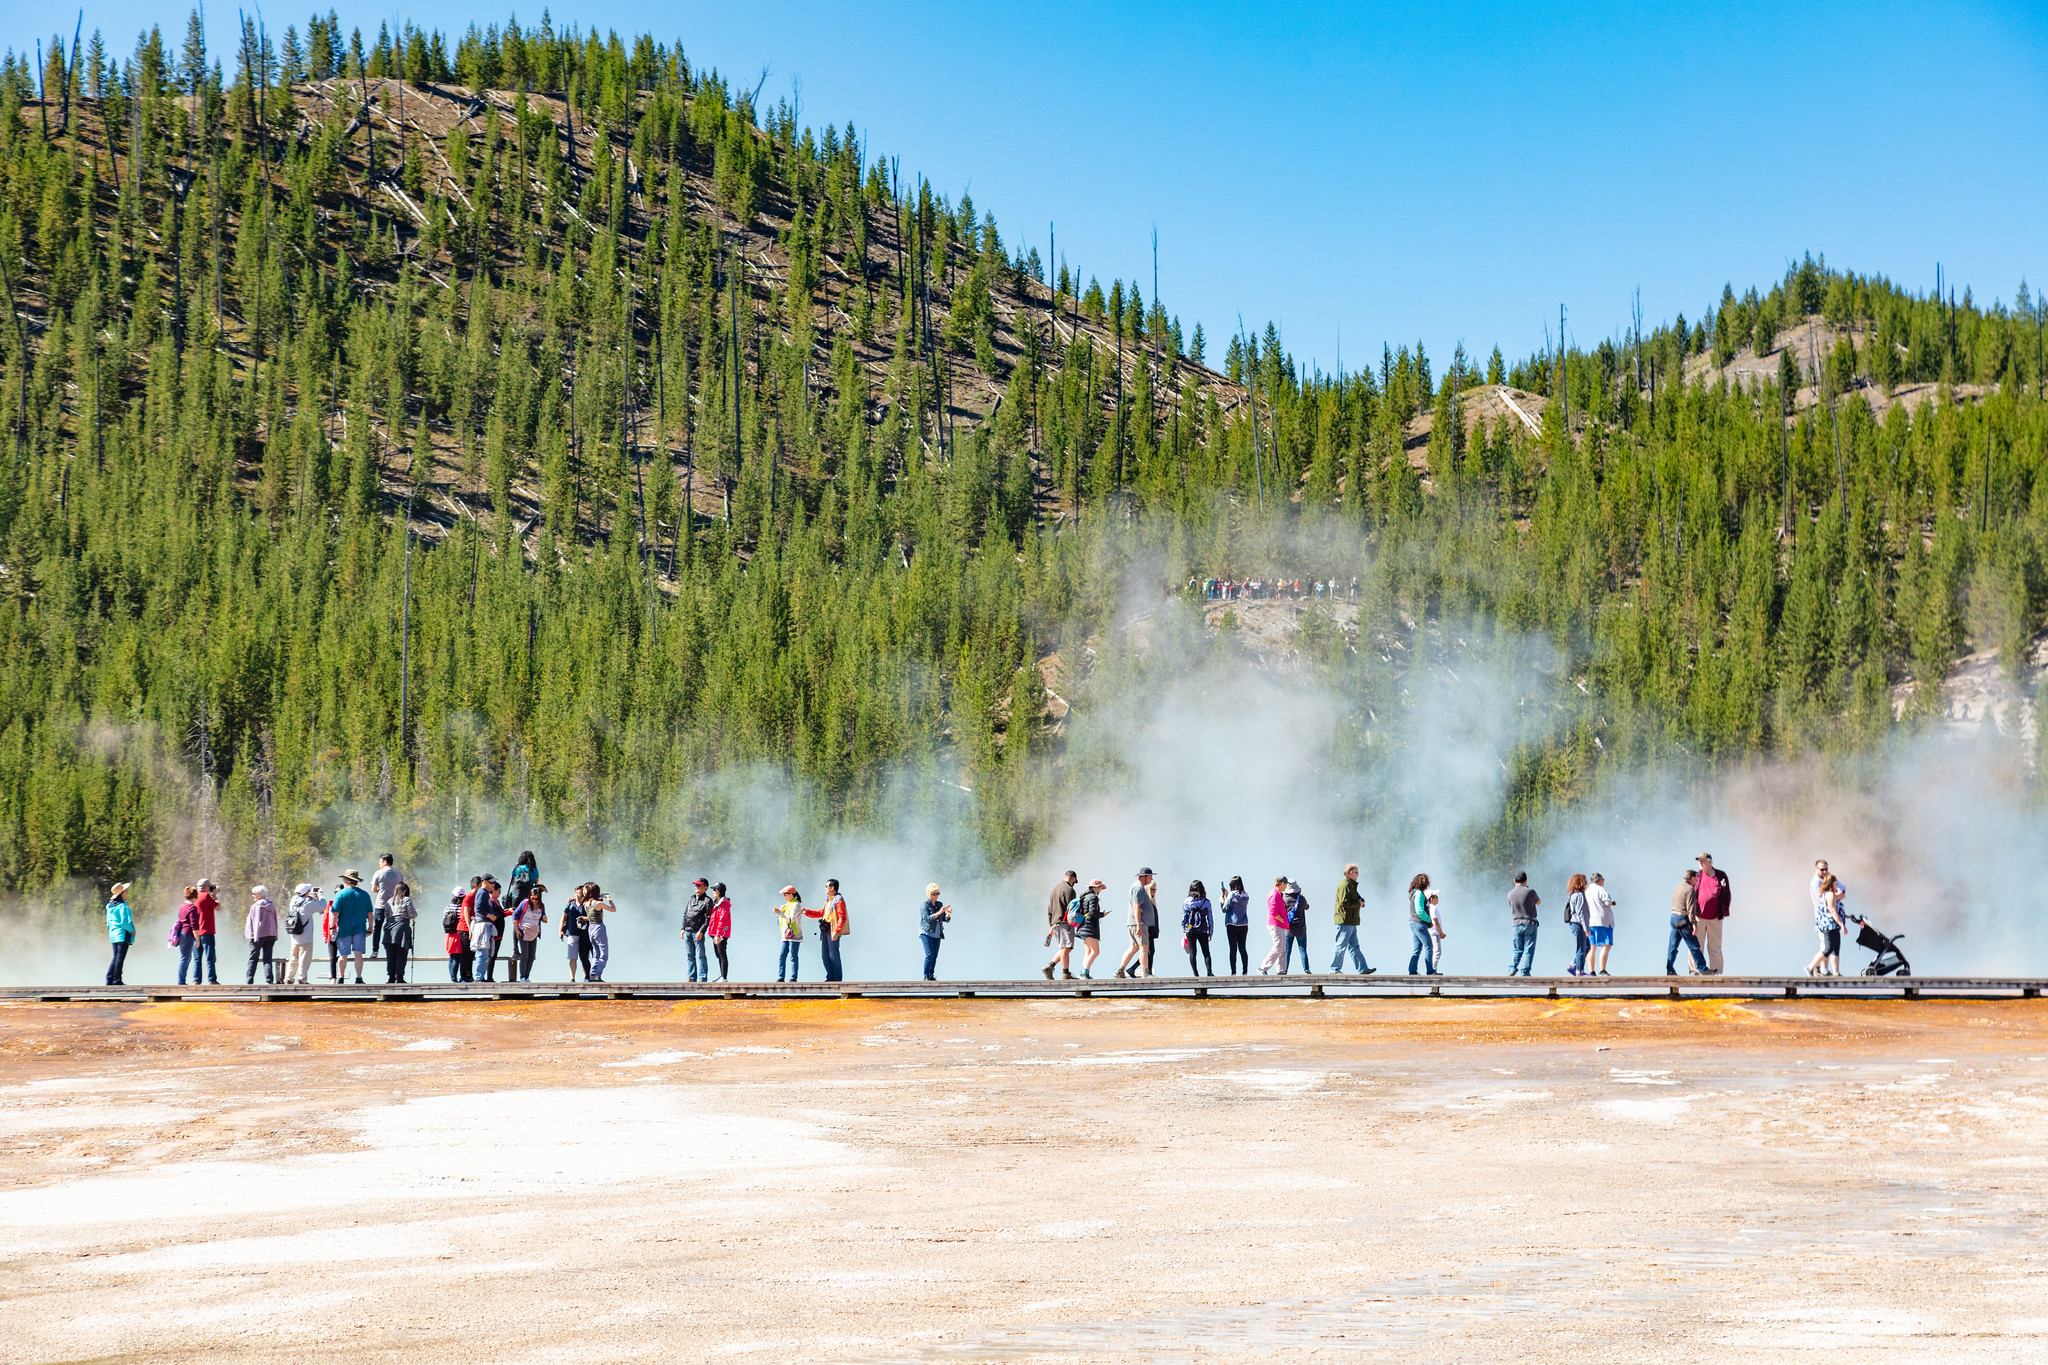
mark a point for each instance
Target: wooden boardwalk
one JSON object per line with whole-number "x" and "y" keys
{"x": 1309, "y": 985}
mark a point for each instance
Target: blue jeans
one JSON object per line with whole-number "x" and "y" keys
{"x": 1420, "y": 955}
{"x": 1582, "y": 944}
{"x": 1524, "y": 960}
{"x": 700, "y": 960}
{"x": 787, "y": 958}
{"x": 931, "y": 955}
{"x": 204, "y": 953}
{"x": 1681, "y": 932}
{"x": 482, "y": 964}
{"x": 828, "y": 950}
{"x": 1294, "y": 941}
{"x": 1347, "y": 938}
{"x": 456, "y": 962}
{"x": 188, "y": 943}
{"x": 120, "y": 948}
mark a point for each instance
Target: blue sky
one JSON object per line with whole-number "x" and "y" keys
{"x": 1447, "y": 172}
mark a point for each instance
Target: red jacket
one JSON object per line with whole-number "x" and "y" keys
{"x": 207, "y": 905}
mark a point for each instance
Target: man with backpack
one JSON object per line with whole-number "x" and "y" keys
{"x": 1060, "y": 932}
{"x": 302, "y": 926}
{"x": 456, "y": 935}
{"x": 1714, "y": 897}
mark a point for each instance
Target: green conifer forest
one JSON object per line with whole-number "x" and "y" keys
{"x": 531, "y": 420}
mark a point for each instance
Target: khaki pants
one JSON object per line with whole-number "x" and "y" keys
{"x": 1710, "y": 942}
{"x": 298, "y": 970}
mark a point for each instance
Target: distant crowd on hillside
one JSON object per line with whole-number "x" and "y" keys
{"x": 1255, "y": 589}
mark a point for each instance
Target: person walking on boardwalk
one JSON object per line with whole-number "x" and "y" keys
{"x": 696, "y": 923}
{"x": 1522, "y": 903}
{"x": 1685, "y": 909}
{"x": 931, "y": 927}
{"x": 1421, "y": 925}
{"x": 209, "y": 911}
{"x": 1059, "y": 925}
{"x": 302, "y": 927}
{"x": 1197, "y": 927}
{"x": 1279, "y": 919}
{"x": 352, "y": 911}
{"x": 1143, "y": 922}
{"x": 718, "y": 928}
{"x": 1599, "y": 922}
{"x": 1297, "y": 922}
{"x": 401, "y": 920}
{"x": 1086, "y": 913}
{"x": 833, "y": 925}
{"x": 790, "y": 916}
{"x": 185, "y": 935}
{"x": 1576, "y": 910}
{"x": 1715, "y": 903}
{"x": 120, "y": 931}
{"x": 1348, "y": 904}
{"x": 1830, "y": 920}
{"x": 259, "y": 927}
{"x": 1236, "y": 908}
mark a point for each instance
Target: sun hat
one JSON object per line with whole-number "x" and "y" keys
{"x": 1144, "y": 872}
{"x": 1098, "y": 885}
{"x": 351, "y": 876}
{"x": 119, "y": 887}
{"x": 789, "y": 891}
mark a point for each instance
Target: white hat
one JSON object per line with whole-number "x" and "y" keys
{"x": 303, "y": 889}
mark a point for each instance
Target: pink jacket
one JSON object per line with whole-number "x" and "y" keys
{"x": 1276, "y": 908}
{"x": 721, "y": 919}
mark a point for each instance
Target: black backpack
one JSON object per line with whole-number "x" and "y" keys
{"x": 451, "y": 921}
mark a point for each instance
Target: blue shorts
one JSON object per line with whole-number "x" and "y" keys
{"x": 1601, "y": 935}
{"x": 350, "y": 945}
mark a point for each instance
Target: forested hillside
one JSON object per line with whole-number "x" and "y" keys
{"x": 531, "y": 420}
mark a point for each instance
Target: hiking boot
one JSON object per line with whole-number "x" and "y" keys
{"x": 1121, "y": 973}
{"x": 1068, "y": 976}
{"x": 1048, "y": 973}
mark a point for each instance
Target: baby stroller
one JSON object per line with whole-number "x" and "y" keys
{"x": 1889, "y": 959}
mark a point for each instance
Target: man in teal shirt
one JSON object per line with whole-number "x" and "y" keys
{"x": 352, "y": 911}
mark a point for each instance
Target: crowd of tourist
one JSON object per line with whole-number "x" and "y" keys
{"x": 489, "y": 922}
{"x": 1257, "y": 589}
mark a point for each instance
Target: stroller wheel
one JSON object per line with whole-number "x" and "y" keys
{"x": 1905, "y": 971}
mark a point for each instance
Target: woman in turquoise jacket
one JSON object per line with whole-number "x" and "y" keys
{"x": 120, "y": 931}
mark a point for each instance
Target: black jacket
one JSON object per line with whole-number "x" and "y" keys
{"x": 697, "y": 914}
